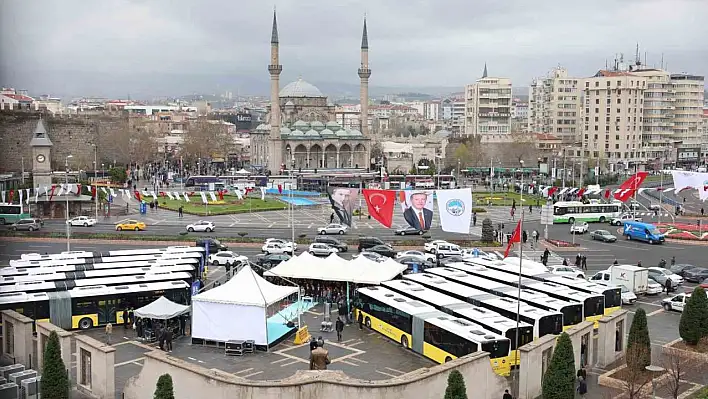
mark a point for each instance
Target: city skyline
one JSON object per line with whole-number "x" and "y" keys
{"x": 127, "y": 48}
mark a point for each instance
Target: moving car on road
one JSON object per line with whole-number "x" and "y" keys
{"x": 696, "y": 275}
{"x": 408, "y": 231}
{"x": 320, "y": 249}
{"x": 282, "y": 242}
{"x": 676, "y": 302}
{"x": 84, "y": 221}
{"x": 213, "y": 244}
{"x": 368, "y": 242}
{"x": 26, "y": 224}
{"x": 227, "y": 258}
{"x": 579, "y": 228}
{"x": 416, "y": 254}
{"x": 130, "y": 225}
{"x": 275, "y": 248}
{"x": 332, "y": 228}
{"x": 624, "y": 218}
{"x": 333, "y": 242}
{"x": 202, "y": 225}
{"x": 603, "y": 235}
{"x": 432, "y": 246}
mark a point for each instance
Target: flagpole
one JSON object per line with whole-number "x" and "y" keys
{"x": 661, "y": 191}
{"x": 518, "y": 290}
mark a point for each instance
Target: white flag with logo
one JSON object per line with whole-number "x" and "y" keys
{"x": 186, "y": 197}
{"x": 263, "y": 189}
{"x": 169, "y": 195}
{"x": 213, "y": 196}
{"x": 455, "y": 207}
{"x": 154, "y": 196}
{"x": 238, "y": 194}
{"x": 177, "y": 196}
{"x": 61, "y": 190}
{"x": 203, "y": 195}
{"x": 28, "y": 196}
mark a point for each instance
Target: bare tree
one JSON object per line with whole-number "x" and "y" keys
{"x": 673, "y": 362}
{"x": 207, "y": 139}
{"x": 635, "y": 378}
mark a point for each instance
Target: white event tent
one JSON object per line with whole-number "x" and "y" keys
{"x": 238, "y": 309}
{"x": 161, "y": 309}
{"x": 333, "y": 268}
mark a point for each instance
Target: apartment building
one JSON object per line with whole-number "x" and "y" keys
{"x": 658, "y": 126}
{"x": 488, "y": 106}
{"x": 555, "y": 105}
{"x": 688, "y": 94}
{"x": 613, "y": 116}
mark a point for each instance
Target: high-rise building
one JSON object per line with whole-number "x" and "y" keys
{"x": 488, "y": 106}
{"x": 554, "y": 105}
{"x": 658, "y": 126}
{"x": 613, "y": 116}
{"x": 688, "y": 94}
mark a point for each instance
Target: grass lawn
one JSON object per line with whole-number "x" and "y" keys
{"x": 230, "y": 205}
{"x": 505, "y": 198}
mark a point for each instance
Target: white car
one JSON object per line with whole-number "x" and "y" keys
{"x": 660, "y": 274}
{"x": 423, "y": 256}
{"x": 333, "y": 228}
{"x": 447, "y": 249}
{"x": 82, "y": 221}
{"x": 654, "y": 288}
{"x": 275, "y": 248}
{"x": 320, "y": 249}
{"x": 676, "y": 303}
{"x": 618, "y": 221}
{"x": 566, "y": 271}
{"x": 227, "y": 258}
{"x": 371, "y": 256}
{"x": 202, "y": 225}
{"x": 432, "y": 246}
{"x": 282, "y": 242}
{"x": 579, "y": 228}
{"x": 628, "y": 297}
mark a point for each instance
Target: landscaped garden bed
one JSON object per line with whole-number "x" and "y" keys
{"x": 561, "y": 243}
{"x": 229, "y": 205}
{"x": 684, "y": 231}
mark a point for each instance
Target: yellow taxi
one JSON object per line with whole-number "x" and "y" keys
{"x": 130, "y": 225}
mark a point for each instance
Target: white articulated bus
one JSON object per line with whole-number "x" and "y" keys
{"x": 28, "y": 271}
{"x": 26, "y": 263}
{"x": 64, "y": 285}
{"x": 51, "y": 275}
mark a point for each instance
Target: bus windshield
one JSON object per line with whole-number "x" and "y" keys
{"x": 594, "y": 306}
{"x": 496, "y": 349}
{"x": 525, "y": 336}
{"x": 572, "y": 314}
{"x": 613, "y": 298}
{"x": 552, "y": 324}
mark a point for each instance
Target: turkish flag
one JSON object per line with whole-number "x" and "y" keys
{"x": 581, "y": 191}
{"x": 607, "y": 193}
{"x": 551, "y": 191}
{"x": 12, "y": 195}
{"x": 221, "y": 195}
{"x": 51, "y": 195}
{"x": 138, "y": 196}
{"x": 280, "y": 189}
{"x": 516, "y": 237}
{"x": 630, "y": 186}
{"x": 380, "y": 204}
{"x": 78, "y": 190}
{"x": 93, "y": 191}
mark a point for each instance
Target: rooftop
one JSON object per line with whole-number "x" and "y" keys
{"x": 300, "y": 88}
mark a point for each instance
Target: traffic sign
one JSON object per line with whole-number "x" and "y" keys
{"x": 547, "y": 214}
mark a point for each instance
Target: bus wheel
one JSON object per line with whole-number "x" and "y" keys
{"x": 2, "y": 220}
{"x": 602, "y": 219}
{"x": 404, "y": 341}
{"x": 85, "y": 323}
{"x": 571, "y": 220}
{"x": 367, "y": 321}
{"x": 448, "y": 359}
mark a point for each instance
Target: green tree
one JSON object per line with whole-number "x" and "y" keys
{"x": 118, "y": 175}
{"x": 55, "y": 379}
{"x": 164, "y": 388}
{"x": 638, "y": 342}
{"x": 487, "y": 230}
{"x": 455, "y": 386}
{"x": 462, "y": 154}
{"x": 559, "y": 380}
{"x": 694, "y": 319}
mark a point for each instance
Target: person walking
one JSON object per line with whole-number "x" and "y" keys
{"x": 582, "y": 387}
{"x": 168, "y": 339}
{"x": 474, "y": 218}
{"x": 582, "y": 373}
{"x": 565, "y": 262}
{"x": 183, "y": 325}
{"x": 507, "y": 395}
{"x": 511, "y": 212}
{"x": 339, "y": 326}
{"x": 524, "y": 236}
{"x": 584, "y": 263}
{"x": 319, "y": 357}
{"x": 331, "y": 218}
{"x": 180, "y": 211}
{"x": 160, "y": 333}
{"x": 673, "y": 260}
{"x": 530, "y": 209}
{"x": 578, "y": 259}
{"x": 668, "y": 287}
{"x": 109, "y": 332}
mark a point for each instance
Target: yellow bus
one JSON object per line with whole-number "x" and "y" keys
{"x": 431, "y": 333}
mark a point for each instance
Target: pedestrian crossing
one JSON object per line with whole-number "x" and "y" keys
{"x": 651, "y": 214}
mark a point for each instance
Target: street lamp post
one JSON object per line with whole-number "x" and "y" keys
{"x": 518, "y": 291}
{"x": 68, "y": 228}
{"x": 654, "y": 369}
{"x": 564, "y": 172}
{"x": 95, "y": 175}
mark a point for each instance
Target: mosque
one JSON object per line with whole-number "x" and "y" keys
{"x": 302, "y": 132}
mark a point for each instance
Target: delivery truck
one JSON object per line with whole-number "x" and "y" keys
{"x": 635, "y": 278}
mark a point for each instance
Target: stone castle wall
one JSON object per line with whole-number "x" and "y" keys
{"x": 71, "y": 134}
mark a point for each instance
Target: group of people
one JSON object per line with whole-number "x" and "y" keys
{"x": 162, "y": 331}
{"x": 319, "y": 356}
{"x": 581, "y": 262}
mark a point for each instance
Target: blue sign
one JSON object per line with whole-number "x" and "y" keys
{"x": 476, "y": 252}
{"x": 415, "y": 268}
{"x": 110, "y": 198}
{"x": 204, "y": 260}
{"x": 195, "y": 287}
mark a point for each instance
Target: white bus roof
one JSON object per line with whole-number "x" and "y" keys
{"x": 444, "y": 284}
{"x": 18, "y": 271}
{"x": 62, "y": 255}
{"x": 185, "y": 256}
{"x": 50, "y": 275}
{"x": 135, "y": 279}
{"x": 487, "y": 316}
{"x": 421, "y": 293}
{"x": 396, "y": 300}
{"x": 463, "y": 328}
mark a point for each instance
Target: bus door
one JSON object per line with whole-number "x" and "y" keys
{"x": 60, "y": 309}
{"x": 107, "y": 309}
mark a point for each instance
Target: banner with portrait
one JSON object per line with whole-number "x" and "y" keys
{"x": 343, "y": 202}
{"x": 417, "y": 208}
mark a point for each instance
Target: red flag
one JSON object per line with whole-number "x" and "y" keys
{"x": 280, "y": 189}
{"x": 162, "y": 193}
{"x": 12, "y": 194}
{"x": 551, "y": 191}
{"x": 93, "y": 191}
{"x": 630, "y": 186}
{"x": 607, "y": 193}
{"x": 380, "y": 204}
{"x": 51, "y": 195}
{"x": 516, "y": 237}
{"x": 78, "y": 190}
{"x": 221, "y": 195}
{"x": 581, "y": 191}
{"x": 138, "y": 196}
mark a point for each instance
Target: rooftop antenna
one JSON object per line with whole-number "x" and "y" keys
{"x": 662, "y": 61}
{"x": 637, "y": 57}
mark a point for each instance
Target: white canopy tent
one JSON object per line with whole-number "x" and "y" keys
{"x": 162, "y": 309}
{"x": 238, "y": 309}
{"x": 360, "y": 270}
{"x": 243, "y": 172}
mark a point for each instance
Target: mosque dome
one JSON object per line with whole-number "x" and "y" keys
{"x": 333, "y": 126}
{"x": 312, "y": 133}
{"x": 317, "y": 125}
{"x": 341, "y": 133}
{"x": 300, "y": 88}
{"x": 296, "y": 133}
{"x": 262, "y": 127}
{"x": 443, "y": 133}
{"x": 326, "y": 132}
{"x": 354, "y": 132}
{"x": 301, "y": 125}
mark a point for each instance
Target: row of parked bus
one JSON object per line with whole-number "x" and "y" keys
{"x": 80, "y": 290}
{"x": 471, "y": 306}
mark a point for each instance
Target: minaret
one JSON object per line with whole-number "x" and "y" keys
{"x": 364, "y": 73}
{"x": 484, "y": 73}
{"x": 275, "y": 153}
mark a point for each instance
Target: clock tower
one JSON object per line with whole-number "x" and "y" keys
{"x": 41, "y": 156}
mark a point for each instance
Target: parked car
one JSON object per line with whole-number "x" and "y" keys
{"x": 696, "y": 275}
{"x": 202, "y": 225}
{"x": 384, "y": 250}
{"x": 603, "y": 235}
{"x": 676, "y": 302}
{"x": 333, "y": 228}
{"x": 681, "y": 268}
{"x": 408, "y": 231}
{"x": 579, "y": 228}
{"x": 628, "y": 297}
{"x": 442, "y": 262}
{"x": 432, "y": 246}
{"x": 625, "y": 217}
{"x": 282, "y": 242}
{"x": 420, "y": 255}
{"x": 653, "y": 288}
{"x": 368, "y": 242}
{"x": 333, "y": 242}
{"x": 566, "y": 271}
{"x": 276, "y": 248}
{"x": 227, "y": 258}
{"x": 213, "y": 244}
{"x": 660, "y": 275}
{"x": 131, "y": 225}
{"x": 269, "y": 261}
{"x": 321, "y": 249}
{"x": 415, "y": 264}
{"x": 371, "y": 256}
{"x": 84, "y": 221}
{"x": 654, "y": 207}
{"x": 26, "y": 224}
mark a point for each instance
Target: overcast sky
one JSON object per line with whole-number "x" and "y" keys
{"x": 120, "y": 47}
